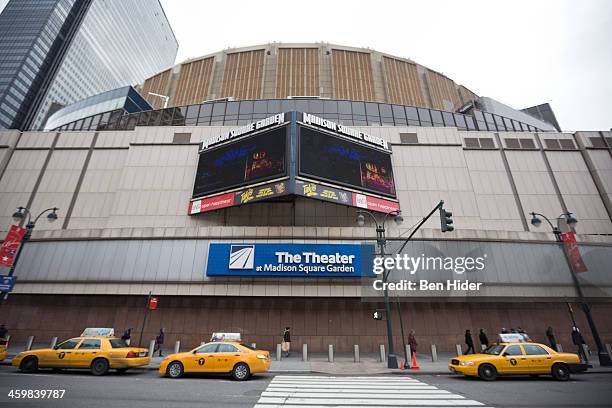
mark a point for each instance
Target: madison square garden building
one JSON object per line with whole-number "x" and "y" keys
{"x": 236, "y": 206}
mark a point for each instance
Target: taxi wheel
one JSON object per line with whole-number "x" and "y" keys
{"x": 99, "y": 366}
{"x": 29, "y": 365}
{"x": 241, "y": 372}
{"x": 560, "y": 372}
{"x": 175, "y": 370}
{"x": 487, "y": 372}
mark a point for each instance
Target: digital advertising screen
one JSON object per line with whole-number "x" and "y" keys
{"x": 247, "y": 161}
{"x": 340, "y": 161}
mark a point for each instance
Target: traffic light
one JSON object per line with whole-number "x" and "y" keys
{"x": 446, "y": 222}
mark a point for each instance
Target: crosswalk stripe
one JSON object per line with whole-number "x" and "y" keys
{"x": 353, "y": 388}
{"x": 353, "y": 392}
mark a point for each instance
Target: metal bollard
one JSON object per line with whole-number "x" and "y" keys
{"x": 177, "y": 346}
{"x": 356, "y": 353}
{"x": 151, "y": 347}
{"x": 53, "y": 342}
{"x": 8, "y": 338}
{"x": 382, "y": 353}
{"x": 609, "y": 349}
{"x": 279, "y": 352}
{"x": 434, "y": 353}
{"x": 330, "y": 353}
{"x": 29, "y": 343}
{"x": 304, "y": 352}
{"x": 409, "y": 354}
{"x": 458, "y": 348}
{"x": 559, "y": 348}
{"x": 254, "y": 345}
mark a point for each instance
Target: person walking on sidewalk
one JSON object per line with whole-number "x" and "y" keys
{"x": 127, "y": 335}
{"x": 550, "y": 335}
{"x": 286, "y": 345}
{"x": 484, "y": 340}
{"x": 469, "y": 342}
{"x": 159, "y": 342}
{"x": 578, "y": 341}
{"x": 412, "y": 342}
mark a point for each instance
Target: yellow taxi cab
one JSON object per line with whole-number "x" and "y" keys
{"x": 229, "y": 357}
{"x": 3, "y": 349}
{"x": 96, "y": 353}
{"x": 516, "y": 358}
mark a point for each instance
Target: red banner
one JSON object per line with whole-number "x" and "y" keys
{"x": 153, "y": 303}
{"x": 11, "y": 245}
{"x": 570, "y": 246}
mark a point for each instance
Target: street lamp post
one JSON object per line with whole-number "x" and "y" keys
{"x": 604, "y": 358}
{"x": 20, "y": 215}
{"x": 382, "y": 241}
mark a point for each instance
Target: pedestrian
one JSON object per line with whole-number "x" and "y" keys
{"x": 504, "y": 330}
{"x": 3, "y": 332}
{"x": 578, "y": 341}
{"x": 550, "y": 335}
{"x": 469, "y": 342}
{"x": 412, "y": 342}
{"x": 127, "y": 336}
{"x": 484, "y": 340}
{"x": 286, "y": 345}
{"x": 159, "y": 341}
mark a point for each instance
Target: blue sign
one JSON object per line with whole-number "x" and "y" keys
{"x": 290, "y": 260}
{"x": 7, "y": 283}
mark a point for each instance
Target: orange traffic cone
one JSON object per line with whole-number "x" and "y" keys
{"x": 402, "y": 365}
{"x": 415, "y": 365}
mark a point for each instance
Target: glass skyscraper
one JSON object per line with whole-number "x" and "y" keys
{"x": 56, "y": 52}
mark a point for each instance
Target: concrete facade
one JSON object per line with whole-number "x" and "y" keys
{"x": 123, "y": 230}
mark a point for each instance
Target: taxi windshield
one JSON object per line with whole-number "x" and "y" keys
{"x": 494, "y": 350}
{"x": 247, "y": 346}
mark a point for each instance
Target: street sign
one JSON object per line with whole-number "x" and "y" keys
{"x": 377, "y": 315}
{"x": 153, "y": 303}
{"x": 7, "y": 283}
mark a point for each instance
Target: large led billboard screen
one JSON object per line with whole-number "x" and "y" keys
{"x": 246, "y": 161}
{"x": 339, "y": 161}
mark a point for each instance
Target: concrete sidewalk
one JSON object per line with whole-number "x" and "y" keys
{"x": 343, "y": 363}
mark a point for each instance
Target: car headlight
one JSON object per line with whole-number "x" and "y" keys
{"x": 466, "y": 363}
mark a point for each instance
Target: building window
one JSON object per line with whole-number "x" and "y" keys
{"x": 527, "y": 143}
{"x": 552, "y": 144}
{"x": 567, "y": 144}
{"x": 513, "y": 144}
{"x": 409, "y": 138}
{"x": 471, "y": 142}
{"x": 181, "y": 138}
{"x": 486, "y": 143}
{"x": 479, "y": 143}
{"x": 597, "y": 142}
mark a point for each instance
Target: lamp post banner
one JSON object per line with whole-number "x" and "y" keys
{"x": 570, "y": 246}
{"x": 10, "y": 245}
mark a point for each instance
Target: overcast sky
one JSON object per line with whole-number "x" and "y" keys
{"x": 521, "y": 53}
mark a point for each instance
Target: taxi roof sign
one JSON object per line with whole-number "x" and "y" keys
{"x": 513, "y": 337}
{"x": 225, "y": 337}
{"x": 99, "y": 332}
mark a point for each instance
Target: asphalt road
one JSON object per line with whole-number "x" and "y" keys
{"x": 142, "y": 388}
